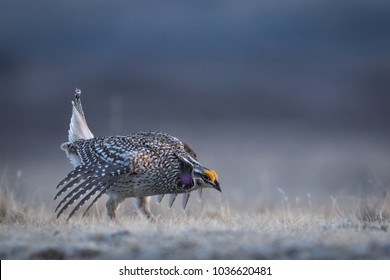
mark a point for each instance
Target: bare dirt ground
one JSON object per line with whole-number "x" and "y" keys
{"x": 213, "y": 232}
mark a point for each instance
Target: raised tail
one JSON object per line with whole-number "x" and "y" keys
{"x": 78, "y": 128}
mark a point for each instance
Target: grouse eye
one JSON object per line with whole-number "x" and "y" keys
{"x": 210, "y": 175}
{"x": 205, "y": 177}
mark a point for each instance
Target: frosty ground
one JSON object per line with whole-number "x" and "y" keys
{"x": 210, "y": 232}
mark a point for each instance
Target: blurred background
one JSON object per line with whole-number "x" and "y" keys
{"x": 282, "y": 98}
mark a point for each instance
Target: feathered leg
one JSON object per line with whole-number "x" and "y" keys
{"x": 143, "y": 204}
{"x": 112, "y": 205}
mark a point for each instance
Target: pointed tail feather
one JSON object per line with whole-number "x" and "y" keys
{"x": 78, "y": 128}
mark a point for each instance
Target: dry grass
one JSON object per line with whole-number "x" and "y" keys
{"x": 10, "y": 211}
{"x": 342, "y": 228}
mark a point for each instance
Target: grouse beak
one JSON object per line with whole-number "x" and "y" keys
{"x": 212, "y": 179}
{"x": 216, "y": 186}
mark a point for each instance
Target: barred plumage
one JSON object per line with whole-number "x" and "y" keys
{"x": 137, "y": 165}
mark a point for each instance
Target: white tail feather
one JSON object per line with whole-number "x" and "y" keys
{"x": 78, "y": 128}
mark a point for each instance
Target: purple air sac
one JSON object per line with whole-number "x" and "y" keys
{"x": 186, "y": 179}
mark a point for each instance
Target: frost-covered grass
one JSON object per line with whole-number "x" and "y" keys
{"x": 335, "y": 230}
